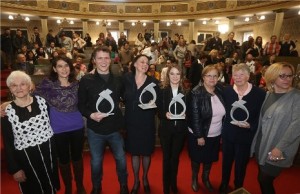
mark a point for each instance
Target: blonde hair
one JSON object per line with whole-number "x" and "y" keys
{"x": 17, "y": 74}
{"x": 274, "y": 71}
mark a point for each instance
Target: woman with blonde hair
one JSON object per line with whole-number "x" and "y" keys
{"x": 172, "y": 132}
{"x": 277, "y": 139}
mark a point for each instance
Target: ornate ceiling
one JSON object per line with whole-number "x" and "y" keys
{"x": 162, "y": 10}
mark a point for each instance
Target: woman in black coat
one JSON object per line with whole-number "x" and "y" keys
{"x": 205, "y": 119}
{"x": 172, "y": 131}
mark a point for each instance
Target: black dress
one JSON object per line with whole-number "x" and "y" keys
{"x": 139, "y": 123}
{"x": 34, "y": 153}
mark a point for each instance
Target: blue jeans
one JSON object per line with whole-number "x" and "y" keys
{"x": 97, "y": 145}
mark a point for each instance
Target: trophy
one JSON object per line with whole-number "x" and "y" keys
{"x": 177, "y": 98}
{"x": 236, "y": 105}
{"x": 151, "y": 103}
{"x": 105, "y": 94}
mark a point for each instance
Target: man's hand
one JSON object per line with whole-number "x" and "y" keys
{"x": 97, "y": 116}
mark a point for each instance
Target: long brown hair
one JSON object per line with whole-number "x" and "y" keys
{"x": 166, "y": 82}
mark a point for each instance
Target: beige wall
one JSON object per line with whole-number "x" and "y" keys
{"x": 263, "y": 29}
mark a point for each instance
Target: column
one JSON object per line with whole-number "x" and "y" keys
{"x": 278, "y": 22}
{"x": 44, "y": 30}
{"x": 84, "y": 27}
{"x": 121, "y": 26}
{"x": 231, "y": 23}
{"x": 156, "y": 30}
{"x": 191, "y": 29}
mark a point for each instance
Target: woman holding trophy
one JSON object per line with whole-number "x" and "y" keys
{"x": 205, "y": 115}
{"x": 172, "y": 128}
{"x": 243, "y": 103}
{"x": 139, "y": 97}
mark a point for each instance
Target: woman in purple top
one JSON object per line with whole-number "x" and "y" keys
{"x": 60, "y": 90}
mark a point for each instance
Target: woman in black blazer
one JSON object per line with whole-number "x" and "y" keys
{"x": 172, "y": 132}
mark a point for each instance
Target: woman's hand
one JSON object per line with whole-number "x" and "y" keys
{"x": 20, "y": 176}
{"x": 168, "y": 115}
{"x": 201, "y": 141}
{"x": 275, "y": 155}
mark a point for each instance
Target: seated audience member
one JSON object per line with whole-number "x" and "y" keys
{"x": 78, "y": 42}
{"x": 41, "y": 54}
{"x": 223, "y": 76}
{"x": 235, "y": 58}
{"x": 164, "y": 70}
{"x": 22, "y": 65}
{"x": 270, "y": 60}
{"x": 250, "y": 63}
{"x": 65, "y": 52}
{"x": 230, "y": 45}
{"x": 79, "y": 62}
{"x": 51, "y": 48}
{"x": 30, "y": 58}
{"x": 213, "y": 57}
{"x": 287, "y": 46}
{"x": 272, "y": 47}
{"x": 262, "y": 81}
{"x": 153, "y": 73}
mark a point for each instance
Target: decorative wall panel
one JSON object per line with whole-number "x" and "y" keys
{"x": 63, "y": 5}
{"x": 138, "y": 9}
{"x": 211, "y": 5}
{"x": 102, "y": 8}
{"x": 174, "y": 8}
{"x": 22, "y": 2}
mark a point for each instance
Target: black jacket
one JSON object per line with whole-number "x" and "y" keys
{"x": 199, "y": 112}
{"x": 88, "y": 93}
{"x": 166, "y": 125}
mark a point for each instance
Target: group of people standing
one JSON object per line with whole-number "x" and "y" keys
{"x": 47, "y": 124}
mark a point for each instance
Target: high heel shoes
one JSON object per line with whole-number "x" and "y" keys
{"x": 135, "y": 188}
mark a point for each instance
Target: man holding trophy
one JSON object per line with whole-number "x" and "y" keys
{"x": 98, "y": 100}
{"x": 243, "y": 103}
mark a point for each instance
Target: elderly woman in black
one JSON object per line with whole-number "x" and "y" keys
{"x": 172, "y": 132}
{"x": 27, "y": 137}
{"x": 206, "y": 111}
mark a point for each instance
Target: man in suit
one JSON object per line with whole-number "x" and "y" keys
{"x": 196, "y": 69}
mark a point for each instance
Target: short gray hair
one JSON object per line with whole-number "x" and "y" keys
{"x": 241, "y": 66}
{"x": 17, "y": 74}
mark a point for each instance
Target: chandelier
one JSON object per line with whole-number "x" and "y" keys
{"x": 64, "y": 21}
{"x": 19, "y": 17}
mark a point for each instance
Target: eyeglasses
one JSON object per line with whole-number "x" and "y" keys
{"x": 212, "y": 76}
{"x": 284, "y": 76}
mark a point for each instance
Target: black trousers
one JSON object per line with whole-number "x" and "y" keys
{"x": 266, "y": 177}
{"x": 172, "y": 144}
{"x": 238, "y": 153}
{"x": 69, "y": 145}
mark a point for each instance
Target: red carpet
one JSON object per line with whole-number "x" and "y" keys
{"x": 287, "y": 183}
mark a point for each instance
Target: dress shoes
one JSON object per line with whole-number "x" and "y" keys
{"x": 124, "y": 189}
